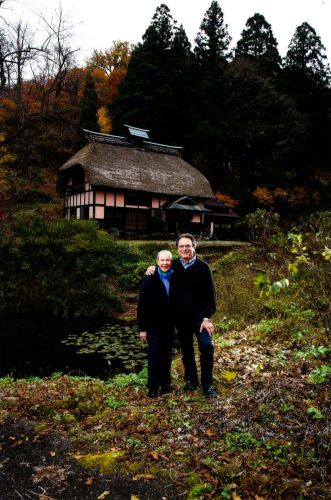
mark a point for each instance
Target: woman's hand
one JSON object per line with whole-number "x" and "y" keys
{"x": 150, "y": 270}
{"x": 143, "y": 336}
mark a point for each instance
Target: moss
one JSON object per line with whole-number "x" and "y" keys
{"x": 105, "y": 462}
{"x": 199, "y": 489}
{"x": 40, "y": 427}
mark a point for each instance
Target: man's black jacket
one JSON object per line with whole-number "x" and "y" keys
{"x": 192, "y": 290}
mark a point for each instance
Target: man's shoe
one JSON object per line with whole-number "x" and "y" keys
{"x": 152, "y": 393}
{"x": 165, "y": 389}
{"x": 210, "y": 392}
{"x": 189, "y": 386}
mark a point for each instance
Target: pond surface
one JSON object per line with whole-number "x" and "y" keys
{"x": 33, "y": 346}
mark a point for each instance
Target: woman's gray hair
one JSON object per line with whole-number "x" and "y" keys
{"x": 164, "y": 251}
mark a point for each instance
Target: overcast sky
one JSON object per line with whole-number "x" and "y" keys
{"x": 99, "y": 22}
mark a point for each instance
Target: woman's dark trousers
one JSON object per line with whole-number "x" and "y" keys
{"x": 159, "y": 357}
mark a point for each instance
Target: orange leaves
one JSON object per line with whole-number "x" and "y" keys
{"x": 299, "y": 195}
{"x": 226, "y": 199}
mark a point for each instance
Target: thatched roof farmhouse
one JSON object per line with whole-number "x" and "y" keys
{"x": 135, "y": 186}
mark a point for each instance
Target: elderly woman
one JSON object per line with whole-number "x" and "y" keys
{"x": 155, "y": 323}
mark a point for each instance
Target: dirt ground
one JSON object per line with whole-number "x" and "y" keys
{"x": 34, "y": 466}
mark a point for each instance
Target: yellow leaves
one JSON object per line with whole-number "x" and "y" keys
{"x": 134, "y": 497}
{"x": 327, "y": 254}
{"x": 179, "y": 453}
{"x": 104, "y": 121}
{"x": 154, "y": 455}
{"x": 229, "y": 376}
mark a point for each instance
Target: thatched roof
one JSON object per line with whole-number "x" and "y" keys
{"x": 124, "y": 167}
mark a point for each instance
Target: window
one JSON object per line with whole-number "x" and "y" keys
{"x": 138, "y": 200}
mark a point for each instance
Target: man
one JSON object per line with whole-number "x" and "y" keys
{"x": 192, "y": 298}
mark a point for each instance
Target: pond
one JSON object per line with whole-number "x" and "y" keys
{"x": 37, "y": 345}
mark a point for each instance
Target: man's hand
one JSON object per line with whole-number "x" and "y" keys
{"x": 150, "y": 270}
{"x": 207, "y": 325}
{"x": 143, "y": 336}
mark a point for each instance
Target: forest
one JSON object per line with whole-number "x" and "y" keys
{"x": 258, "y": 126}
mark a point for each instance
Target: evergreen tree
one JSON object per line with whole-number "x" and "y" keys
{"x": 306, "y": 54}
{"x": 145, "y": 98}
{"x": 183, "y": 86}
{"x": 258, "y": 42}
{"x": 213, "y": 39}
{"x": 306, "y": 79}
{"x": 88, "y": 118}
{"x": 264, "y": 134}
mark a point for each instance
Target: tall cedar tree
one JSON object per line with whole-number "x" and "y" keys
{"x": 206, "y": 145}
{"x": 257, "y": 42}
{"x": 88, "y": 107}
{"x": 183, "y": 85}
{"x": 150, "y": 94}
{"x": 306, "y": 78}
{"x": 263, "y": 132}
{"x": 306, "y": 53}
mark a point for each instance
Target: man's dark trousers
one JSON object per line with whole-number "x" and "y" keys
{"x": 187, "y": 328}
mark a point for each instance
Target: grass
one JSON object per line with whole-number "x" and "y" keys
{"x": 265, "y": 436}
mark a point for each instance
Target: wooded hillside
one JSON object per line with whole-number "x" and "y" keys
{"x": 256, "y": 124}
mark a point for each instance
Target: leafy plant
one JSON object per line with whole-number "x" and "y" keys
{"x": 320, "y": 374}
{"x": 314, "y": 412}
{"x": 312, "y": 352}
{"x": 114, "y": 403}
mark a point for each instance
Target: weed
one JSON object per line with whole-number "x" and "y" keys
{"x": 314, "y": 412}
{"x": 286, "y": 407}
{"x": 279, "y": 452}
{"x": 320, "y": 374}
{"x": 133, "y": 442}
{"x": 312, "y": 352}
{"x": 124, "y": 380}
{"x": 114, "y": 403}
{"x": 226, "y": 324}
{"x": 266, "y": 326}
{"x": 237, "y": 441}
{"x": 6, "y": 381}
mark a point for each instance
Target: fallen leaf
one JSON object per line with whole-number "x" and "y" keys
{"x": 210, "y": 432}
{"x": 89, "y": 481}
{"x": 154, "y": 454}
{"x": 138, "y": 477}
{"x": 52, "y": 453}
{"x": 178, "y": 452}
{"x": 228, "y": 376}
{"x": 134, "y": 497}
{"x": 103, "y": 495}
{"x": 234, "y": 496}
